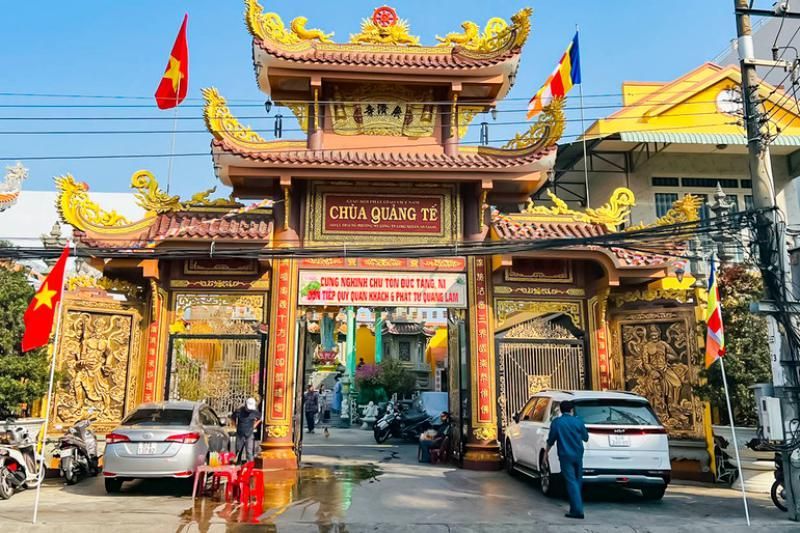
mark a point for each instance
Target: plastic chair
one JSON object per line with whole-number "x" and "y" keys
{"x": 247, "y": 475}
{"x": 227, "y": 472}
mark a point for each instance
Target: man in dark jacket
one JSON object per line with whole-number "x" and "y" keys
{"x": 569, "y": 433}
{"x": 310, "y": 406}
{"x": 247, "y": 419}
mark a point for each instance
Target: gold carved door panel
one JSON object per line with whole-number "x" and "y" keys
{"x": 657, "y": 351}
{"x": 96, "y": 364}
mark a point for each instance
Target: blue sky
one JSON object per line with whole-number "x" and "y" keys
{"x": 120, "y": 48}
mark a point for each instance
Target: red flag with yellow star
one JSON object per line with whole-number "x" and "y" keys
{"x": 42, "y": 309}
{"x": 175, "y": 82}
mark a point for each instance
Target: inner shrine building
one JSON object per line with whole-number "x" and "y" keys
{"x": 342, "y": 219}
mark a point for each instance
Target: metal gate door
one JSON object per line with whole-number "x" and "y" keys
{"x": 535, "y": 357}
{"x": 221, "y": 370}
{"x": 458, "y": 381}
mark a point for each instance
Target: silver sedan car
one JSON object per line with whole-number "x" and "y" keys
{"x": 157, "y": 440}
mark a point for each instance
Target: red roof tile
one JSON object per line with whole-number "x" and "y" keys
{"x": 369, "y": 158}
{"x": 189, "y": 225}
{"x": 359, "y": 55}
{"x": 524, "y": 230}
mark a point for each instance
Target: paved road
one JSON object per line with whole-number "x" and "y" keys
{"x": 349, "y": 484}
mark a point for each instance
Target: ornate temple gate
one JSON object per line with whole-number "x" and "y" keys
{"x": 217, "y": 348}
{"x": 535, "y": 355}
{"x": 222, "y": 370}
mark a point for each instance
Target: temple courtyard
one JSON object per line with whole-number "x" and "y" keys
{"x": 349, "y": 484}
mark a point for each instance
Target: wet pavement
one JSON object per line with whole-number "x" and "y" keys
{"x": 350, "y": 484}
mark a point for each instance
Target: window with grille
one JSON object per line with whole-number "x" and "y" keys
{"x": 665, "y": 182}
{"x": 709, "y": 183}
{"x": 664, "y": 201}
{"x": 405, "y": 351}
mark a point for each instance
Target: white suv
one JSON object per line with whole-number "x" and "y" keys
{"x": 627, "y": 444}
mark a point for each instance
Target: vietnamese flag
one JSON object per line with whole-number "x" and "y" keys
{"x": 42, "y": 309}
{"x": 175, "y": 82}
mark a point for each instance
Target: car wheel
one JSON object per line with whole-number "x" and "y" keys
{"x": 548, "y": 481}
{"x": 511, "y": 465}
{"x": 6, "y": 488}
{"x": 113, "y": 485}
{"x": 654, "y": 493}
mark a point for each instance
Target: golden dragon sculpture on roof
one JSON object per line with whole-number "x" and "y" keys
{"x": 75, "y": 207}
{"x": 385, "y": 28}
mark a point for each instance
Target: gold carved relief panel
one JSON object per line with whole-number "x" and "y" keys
{"x": 383, "y": 110}
{"x": 218, "y": 313}
{"x": 655, "y": 352}
{"x": 98, "y": 362}
{"x": 507, "y": 309}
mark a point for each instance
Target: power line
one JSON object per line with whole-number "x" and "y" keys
{"x": 349, "y": 148}
{"x": 260, "y": 101}
{"x": 337, "y": 102}
{"x": 664, "y": 241}
{"x": 156, "y": 132}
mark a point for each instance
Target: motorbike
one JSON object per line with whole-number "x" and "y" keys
{"x": 20, "y": 465}
{"x": 77, "y": 449}
{"x": 397, "y": 424}
{"x": 778, "y": 492}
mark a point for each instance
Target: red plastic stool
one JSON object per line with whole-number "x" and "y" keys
{"x": 247, "y": 475}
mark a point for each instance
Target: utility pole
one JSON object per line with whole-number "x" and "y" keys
{"x": 771, "y": 248}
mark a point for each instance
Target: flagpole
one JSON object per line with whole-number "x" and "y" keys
{"x": 583, "y": 135}
{"x": 733, "y": 436}
{"x": 56, "y": 342}
{"x": 174, "y": 133}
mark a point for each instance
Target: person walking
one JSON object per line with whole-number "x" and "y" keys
{"x": 337, "y": 396}
{"x": 569, "y": 433}
{"x": 310, "y": 406}
{"x": 247, "y": 418}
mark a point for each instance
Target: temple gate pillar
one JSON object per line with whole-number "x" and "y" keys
{"x": 153, "y": 366}
{"x": 598, "y": 341}
{"x": 277, "y": 448}
{"x": 482, "y": 447}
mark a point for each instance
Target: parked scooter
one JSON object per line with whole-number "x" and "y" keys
{"x": 778, "y": 491}
{"x": 400, "y": 425}
{"x": 78, "y": 451}
{"x": 20, "y": 465}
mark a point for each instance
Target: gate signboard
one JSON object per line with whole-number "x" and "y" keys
{"x": 382, "y": 289}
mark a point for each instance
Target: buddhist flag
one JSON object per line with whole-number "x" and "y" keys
{"x": 715, "y": 338}
{"x": 566, "y": 74}
{"x": 175, "y": 82}
{"x": 41, "y": 311}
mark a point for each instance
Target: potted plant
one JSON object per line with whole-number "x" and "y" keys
{"x": 369, "y": 384}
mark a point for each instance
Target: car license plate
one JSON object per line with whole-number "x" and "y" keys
{"x": 146, "y": 448}
{"x": 619, "y": 440}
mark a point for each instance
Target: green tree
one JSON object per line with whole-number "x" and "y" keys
{"x": 396, "y": 378}
{"x": 747, "y": 356}
{"x": 23, "y": 376}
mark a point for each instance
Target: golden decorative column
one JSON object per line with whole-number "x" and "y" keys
{"x": 482, "y": 449}
{"x": 598, "y": 342}
{"x": 277, "y": 450}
